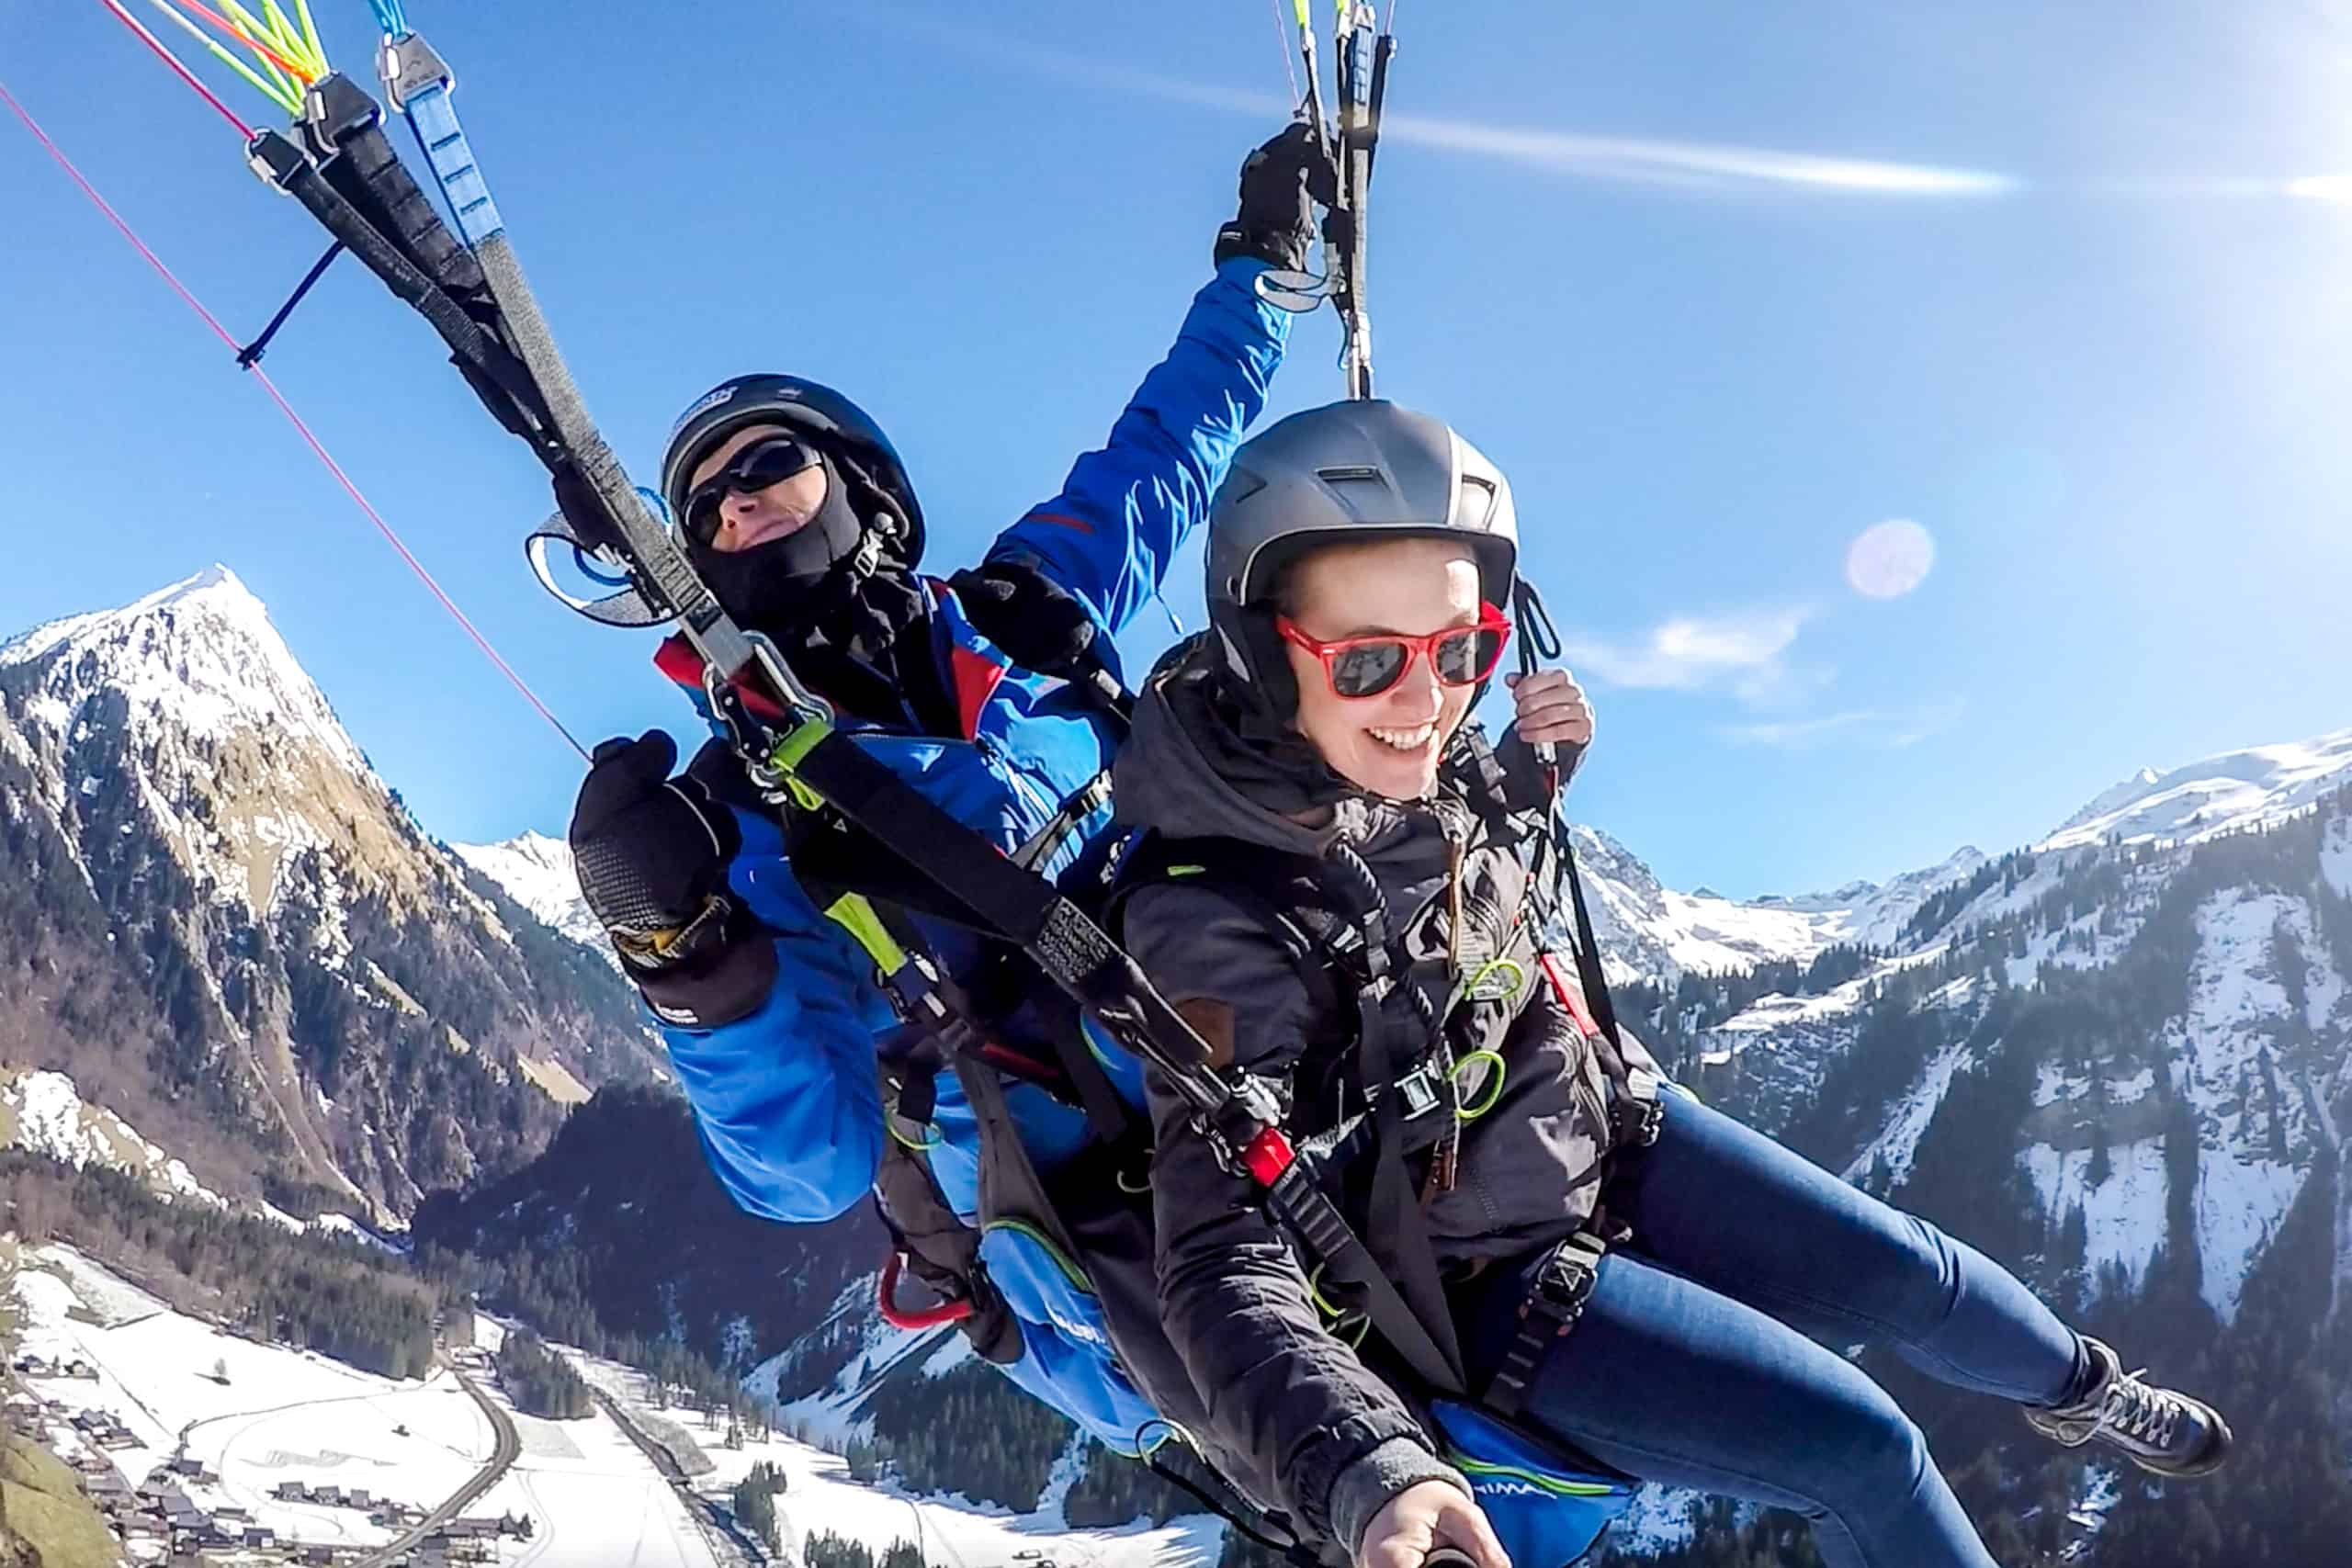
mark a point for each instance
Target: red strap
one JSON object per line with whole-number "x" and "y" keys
{"x": 886, "y": 1289}
{"x": 676, "y": 658}
{"x": 1571, "y": 997}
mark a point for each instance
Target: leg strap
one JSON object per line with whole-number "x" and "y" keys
{"x": 1634, "y": 1113}
{"x": 1554, "y": 1301}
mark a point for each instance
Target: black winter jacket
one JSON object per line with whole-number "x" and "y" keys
{"x": 1329, "y": 1438}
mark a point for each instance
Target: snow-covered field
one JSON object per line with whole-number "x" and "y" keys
{"x": 596, "y": 1499}
{"x": 819, "y": 1496}
{"x": 286, "y": 1415}
{"x": 282, "y": 1415}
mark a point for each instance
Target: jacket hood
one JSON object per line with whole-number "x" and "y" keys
{"x": 1202, "y": 765}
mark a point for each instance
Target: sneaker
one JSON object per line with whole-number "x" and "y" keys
{"x": 2157, "y": 1429}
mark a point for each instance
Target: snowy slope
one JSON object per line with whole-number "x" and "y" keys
{"x": 44, "y": 1113}
{"x": 2216, "y": 795}
{"x": 198, "y": 659}
{"x": 820, "y": 1496}
{"x": 536, "y": 871}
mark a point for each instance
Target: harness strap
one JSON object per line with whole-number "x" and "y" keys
{"x": 1556, "y": 1299}
{"x": 1082, "y": 802}
{"x": 1635, "y": 1114}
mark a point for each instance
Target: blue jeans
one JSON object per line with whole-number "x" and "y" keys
{"x": 1692, "y": 1367}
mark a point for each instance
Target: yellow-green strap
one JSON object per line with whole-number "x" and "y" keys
{"x": 854, "y": 914}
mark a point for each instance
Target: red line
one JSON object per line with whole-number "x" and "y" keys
{"x": 168, "y": 58}
{"x": 391, "y": 535}
{"x": 250, "y": 41}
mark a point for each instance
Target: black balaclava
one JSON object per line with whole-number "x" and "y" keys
{"x": 832, "y": 596}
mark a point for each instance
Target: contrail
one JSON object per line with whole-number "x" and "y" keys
{"x": 1632, "y": 160}
{"x": 1648, "y": 162}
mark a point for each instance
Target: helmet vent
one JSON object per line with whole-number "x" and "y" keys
{"x": 1479, "y": 513}
{"x": 1364, "y": 490}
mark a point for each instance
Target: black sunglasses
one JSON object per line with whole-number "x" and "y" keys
{"x": 755, "y": 467}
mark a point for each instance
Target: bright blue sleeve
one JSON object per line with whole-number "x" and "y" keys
{"x": 1125, "y": 510}
{"x": 789, "y": 1111}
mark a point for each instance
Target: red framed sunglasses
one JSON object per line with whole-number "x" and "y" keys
{"x": 1367, "y": 666}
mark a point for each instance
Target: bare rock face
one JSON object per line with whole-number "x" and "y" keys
{"x": 230, "y": 930}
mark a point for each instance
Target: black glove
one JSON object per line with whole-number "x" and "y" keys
{"x": 1280, "y": 183}
{"x": 1015, "y": 604}
{"x": 651, "y": 854}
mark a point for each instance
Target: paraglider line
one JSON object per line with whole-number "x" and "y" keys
{"x": 392, "y": 535}
{"x": 1282, "y": 40}
{"x": 282, "y": 97}
{"x": 244, "y": 36}
{"x": 169, "y": 59}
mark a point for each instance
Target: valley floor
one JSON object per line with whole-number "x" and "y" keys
{"x": 288, "y": 1415}
{"x": 819, "y": 1496}
{"x": 251, "y": 1418}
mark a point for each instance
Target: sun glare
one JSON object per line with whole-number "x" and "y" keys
{"x": 2322, "y": 187}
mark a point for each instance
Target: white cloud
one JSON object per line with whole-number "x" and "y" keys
{"x": 1746, "y": 653}
{"x": 1636, "y": 159}
{"x": 1644, "y": 160}
{"x": 1882, "y": 728}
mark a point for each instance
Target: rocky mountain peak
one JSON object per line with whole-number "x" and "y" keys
{"x": 286, "y": 957}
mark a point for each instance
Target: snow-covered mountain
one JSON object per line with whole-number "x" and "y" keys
{"x": 536, "y": 872}
{"x": 1649, "y": 932}
{"x": 230, "y": 929}
{"x": 2220, "y": 878}
{"x": 2219, "y": 795}
{"x": 2118, "y": 1061}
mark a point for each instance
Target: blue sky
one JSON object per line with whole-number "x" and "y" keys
{"x": 1720, "y": 286}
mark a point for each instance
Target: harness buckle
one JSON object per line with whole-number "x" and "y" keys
{"x": 1636, "y": 1115}
{"x": 1563, "y": 1284}
{"x": 1417, "y": 1093}
{"x": 1554, "y": 1300}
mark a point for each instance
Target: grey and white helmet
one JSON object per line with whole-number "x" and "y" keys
{"x": 1343, "y": 473}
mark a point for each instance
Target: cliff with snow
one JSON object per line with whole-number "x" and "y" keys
{"x": 226, "y": 927}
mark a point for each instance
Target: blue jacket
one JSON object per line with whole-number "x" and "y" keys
{"x": 786, "y": 1098}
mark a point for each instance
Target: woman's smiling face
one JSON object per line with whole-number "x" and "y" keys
{"x": 1389, "y": 743}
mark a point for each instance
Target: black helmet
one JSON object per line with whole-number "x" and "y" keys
{"x": 839, "y": 428}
